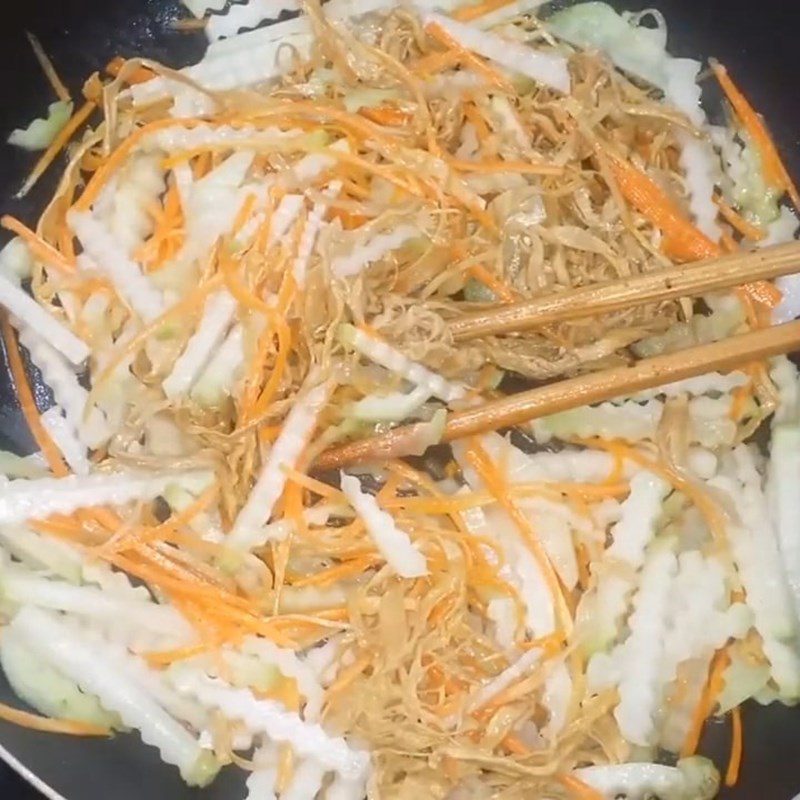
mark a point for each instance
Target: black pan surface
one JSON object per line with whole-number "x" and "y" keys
{"x": 758, "y": 41}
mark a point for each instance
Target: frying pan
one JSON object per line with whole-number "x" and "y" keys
{"x": 757, "y": 41}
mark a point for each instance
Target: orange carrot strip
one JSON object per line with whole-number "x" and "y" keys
{"x": 27, "y": 403}
{"x": 737, "y": 748}
{"x": 386, "y": 115}
{"x": 36, "y": 723}
{"x": 139, "y": 75}
{"x": 57, "y": 145}
{"x": 775, "y": 172}
{"x": 39, "y": 247}
{"x": 577, "y": 788}
{"x": 682, "y": 240}
{"x": 713, "y": 687}
{"x": 738, "y": 222}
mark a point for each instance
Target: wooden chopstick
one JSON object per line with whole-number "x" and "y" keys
{"x": 583, "y": 390}
{"x": 734, "y": 269}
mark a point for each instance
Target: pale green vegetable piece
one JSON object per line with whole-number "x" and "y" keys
{"x": 40, "y": 133}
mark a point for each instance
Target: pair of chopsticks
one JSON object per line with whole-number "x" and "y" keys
{"x": 731, "y": 270}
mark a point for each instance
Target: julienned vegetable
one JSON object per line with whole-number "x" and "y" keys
{"x": 273, "y": 251}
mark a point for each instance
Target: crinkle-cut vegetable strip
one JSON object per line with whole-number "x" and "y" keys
{"x": 286, "y": 213}
{"x": 765, "y": 589}
{"x": 56, "y": 146}
{"x": 714, "y": 382}
{"x": 380, "y": 352}
{"x": 306, "y": 781}
{"x": 217, "y": 316}
{"x": 91, "y": 427}
{"x": 85, "y": 662}
{"x": 775, "y": 173}
{"x": 698, "y": 162}
{"x": 630, "y": 537}
{"x": 199, "y": 137}
{"x": 311, "y": 230}
{"x": 93, "y": 603}
{"x": 34, "y": 722}
{"x": 341, "y": 789}
{"x": 682, "y": 240}
{"x": 39, "y": 135}
{"x": 393, "y": 407}
{"x": 63, "y": 435}
{"x": 141, "y": 185}
{"x": 30, "y": 313}
{"x": 693, "y": 779}
{"x": 641, "y": 683}
{"x": 27, "y": 402}
{"x": 373, "y": 250}
{"x": 247, "y": 15}
{"x": 784, "y": 467}
{"x": 296, "y": 431}
{"x": 270, "y": 718}
{"x": 261, "y": 783}
{"x": 292, "y": 667}
{"x": 519, "y": 669}
{"x": 45, "y": 689}
{"x": 16, "y": 261}
{"x": 547, "y": 68}
{"x": 39, "y": 247}
{"x": 25, "y": 499}
{"x": 201, "y": 7}
{"x": 392, "y": 543}
{"x": 217, "y": 379}
{"x": 127, "y": 277}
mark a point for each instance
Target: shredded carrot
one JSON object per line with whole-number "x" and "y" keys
{"x": 57, "y": 145}
{"x": 312, "y": 484}
{"x": 520, "y": 167}
{"x": 39, "y": 247}
{"x": 743, "y": 226}
{"x": 714, "y": 686}
{"x": 62, "y": 93}
{"x": 435, "y": 62}
{"x": 468, "y": 13}
{"x": 386, "y": 115}
{"x": 737, "y": 748}
{"x": 577, "y": 788}
{"x": 139, "y": 75}
{"x": 27, "y": 402}
{"x": 682, "y": 240}
{"x": 775, "y": 173}
{"x": 48, "y": 725}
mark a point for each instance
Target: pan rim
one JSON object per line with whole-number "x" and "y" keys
{"x": 29, "y": 776}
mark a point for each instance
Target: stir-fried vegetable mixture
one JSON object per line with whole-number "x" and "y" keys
{"x": 252, "y": 259}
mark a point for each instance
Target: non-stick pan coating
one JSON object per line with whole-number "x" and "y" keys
{"x": 758, "y": 41}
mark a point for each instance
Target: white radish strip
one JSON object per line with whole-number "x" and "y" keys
{"x": 217, "y": 379}
{"x": 383, "y": 354}
{"x": 271, "y": 718}
{"x": 393, "y": 407}
{"x": 374, "y": 250}
{"x": 217, "y": 316}
{"x": 306, "y": 781}
{"x": 63, "y": 434}
{"x": 392, "y": 543}
{"x": 84, "y": 662}
{"x": 201, "y": 7}
{"x": 133, "y": 287}
{"x": 311, "y": 231}
{"x": 247, "y": 15}
{"x": 286, "y": 213}
{"x": 291, "y": 667}
{"x": 93, "y": 603}
{"x": 27, "y": 499}
{"x": 179, "y": 138}
{"x": 556, "y": 699}
{"x": 261, "y": 784}
{"x": 31, "y": 314}
{"x": 519, "y": 669}
{"x": 640, "y": 656}
{"x": 697, "y": 160}
{"x": 549, "y": 69}
{"x": 638, "y": 780}
{"x": 784, "y": 479}
{"x": 92, "y": 429}
{"x": 286, "y": 451}
{"x": 341, "y": 789}
{"x": 311, "y": 166}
